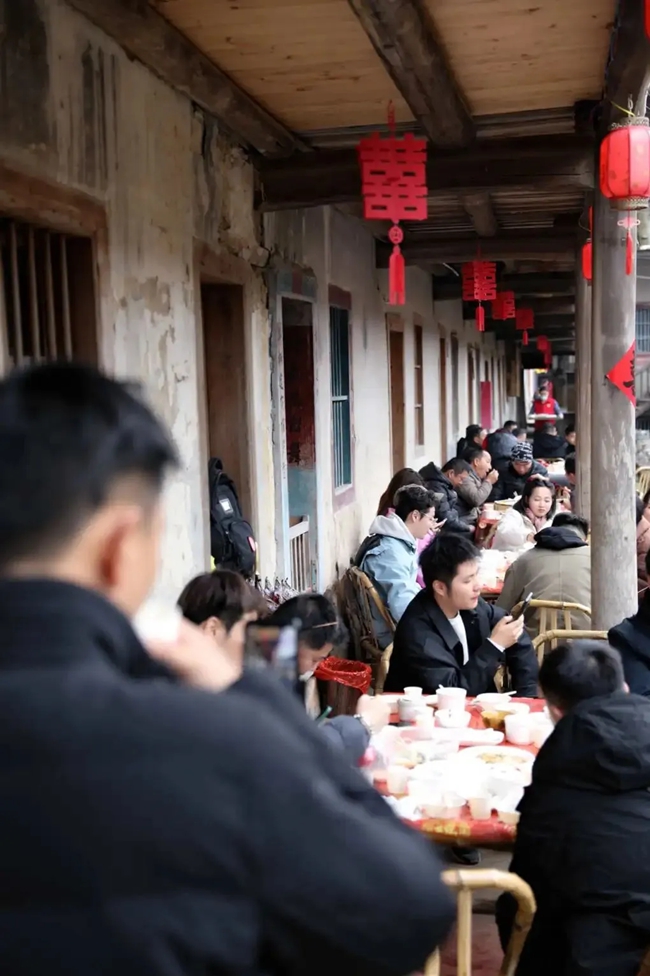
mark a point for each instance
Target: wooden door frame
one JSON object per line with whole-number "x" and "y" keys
{"x": 395, "y": 323}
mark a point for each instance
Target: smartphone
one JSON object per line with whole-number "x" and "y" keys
{"x": 275, "y": 648}
{"x": 524, "y": 607}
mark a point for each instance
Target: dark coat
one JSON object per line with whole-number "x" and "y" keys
{"x": 631, "y": 638}
{"x": 500, "y": 444}
{"x": 583, "y": 843}
{"x": 428, "y": 653}
{"x": 510, "y": 483}
{"x": 152, "y": 829}
{"x": 447, "y": 507}
{"x": 548, "y": 445}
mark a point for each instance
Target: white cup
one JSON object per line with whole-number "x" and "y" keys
{"x": 451, "y": 699}
{"x": 413, "y": 693}
{"x": 541, "y": 732}
{"x": 480, "y": 807}
{"x": 409, "y": 710}
{"x": 397, "y": 780}
{"x": 452, "y": 718}
{"x": 519, "y": 730}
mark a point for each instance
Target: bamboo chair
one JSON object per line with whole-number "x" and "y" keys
{"x": 371, "y": 591}
{"x": 642, "y": 481}
{"x": 465, "y": 882}
{"x": 551, "y": 638}
{"x": 550, "y": 610}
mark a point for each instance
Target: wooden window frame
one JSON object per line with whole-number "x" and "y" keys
{"x": 343, "y": 494}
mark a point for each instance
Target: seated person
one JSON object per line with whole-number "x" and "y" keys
{"x": 512, "y": 479}
{"x": 631, "y": 638}
{"x": 389, "y": 554}
{"x": 570, "y": 439}
{"x": 501, "y": 442}
{"x": 475, "y": 490}
{"x": 642, "y": 546}
{"x": 450, "y": 636}
{"x": 533, "y": 512}
{"x": 407, "y": 476}
{"x": 445, "y": 484}
{"x": 547, "y": 443}
{"x": 221, "y": 603}
{"x": 557, "y": 568}
{"x": 474, "y": 437}
{"x": 582, "y": 840}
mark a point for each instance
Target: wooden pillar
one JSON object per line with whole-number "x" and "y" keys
{"x": 613, "y": 523}
{"x": 583, "y": 390}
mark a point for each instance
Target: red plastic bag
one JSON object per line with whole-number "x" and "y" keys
{"x": 353, "y": 674}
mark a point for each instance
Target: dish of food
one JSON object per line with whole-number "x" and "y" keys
{"x": 492, "y": 756}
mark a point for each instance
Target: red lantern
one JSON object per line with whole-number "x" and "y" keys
{"x": 625, "y": 173}
{"x": 503, "y": 307}
{"x": 479, "y": 285}
{"x": 647, "y": 18}
{"x": 542, "y": 343}
{"x": 524, "y": 320}
{"x": 394, "y": 187}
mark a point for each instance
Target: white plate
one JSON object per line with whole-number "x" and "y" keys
{"x": 474, "y": 753}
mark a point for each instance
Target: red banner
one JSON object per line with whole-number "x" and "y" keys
{"x": 622, "y": 375}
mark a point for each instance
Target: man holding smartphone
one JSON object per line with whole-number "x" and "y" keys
{"x": 171, "y": 816}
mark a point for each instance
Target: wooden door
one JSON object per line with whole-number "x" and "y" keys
{"x": 443, "y": 400}
{"x": 397, "y": 410}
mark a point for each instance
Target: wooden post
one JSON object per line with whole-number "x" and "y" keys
{"x": 613, "y": 448}
{"x": 583, "y": 390}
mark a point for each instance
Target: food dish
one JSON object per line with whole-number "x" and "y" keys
{"x": 497, "y": 756}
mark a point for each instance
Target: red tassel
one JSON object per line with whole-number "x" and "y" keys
{"x": 524, "y": 339}
{"x": 480, "y": 318}
{"x": 629, "y": 254}
{"x": 396, "y": 286}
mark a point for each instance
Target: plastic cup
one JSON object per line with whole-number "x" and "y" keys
{"x": 451, "y": 699}
{"x": 413, "y": 693}
{"x": 397, "y": 780}
{"x": 480, "y": 807}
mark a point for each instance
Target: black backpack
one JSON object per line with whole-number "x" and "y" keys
{"x": 232, "y": 542}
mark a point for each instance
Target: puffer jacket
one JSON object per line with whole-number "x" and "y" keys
{"x": 389, "y": 557}
{"x": 472, "y": 494}
{"x": 500, "y": 444}
{"x": 511, "y": 484}
{"x": 447, "y": 507}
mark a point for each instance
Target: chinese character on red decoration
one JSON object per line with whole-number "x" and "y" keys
{"x": 524, "y": 319}
{"x": 503, "y": 307}
{"x": 479, "y": 285}
{"x": 394, "y": 187}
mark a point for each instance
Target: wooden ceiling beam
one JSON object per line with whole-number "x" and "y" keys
{"x": 148, "y": 37}
{"x": 627, "y": 74}
{"x": 541, "y": 247}
{"x": 478, "y": 206}
{"x": 405, "y": 39}
{"x": 535, "y": 284}
{"x": 332, "y": 176}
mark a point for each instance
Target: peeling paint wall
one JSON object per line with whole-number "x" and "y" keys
{"x": 75, "y": 111}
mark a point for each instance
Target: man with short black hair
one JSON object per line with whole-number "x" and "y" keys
{"x": 155, "y": 817}
{"x": 388, "y": 555}
{"x": 450, "y": 636}
{"x": 475, "y": 490}
{"x": 547, "y": 443}
{"x": 445, "y": 484}
{"x": 558, "y": 568}
{"x": 501, "y": 442}
{"x": 582, "y": 841}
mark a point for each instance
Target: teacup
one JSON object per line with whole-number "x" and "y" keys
{"x": 451, "y": 699}
{"x": 409, "y": 709}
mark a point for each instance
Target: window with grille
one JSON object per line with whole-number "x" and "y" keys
{"x": 341, "y": 412}
{"x": 47, "y": 295}
{"x": 643, "y": 328}
{"x": 419, "y": 385}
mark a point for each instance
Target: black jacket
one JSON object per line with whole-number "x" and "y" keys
{"x": 583, "y": 843}
{"x": 151, "y": 829}
{"x": 447, "y": 507}
{"x": 427, "y": 651}
{"x": 631, "y": 638}
{"x": 548, "y": 445}
{"x": 510, "y": 483}
{"x": 500, "y": 444}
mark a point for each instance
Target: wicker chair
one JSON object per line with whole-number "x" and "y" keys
{"x": 550, "y": 610}
{"x": 642, "y": 481}
{"x": 371, "y": 591}
{"x": 465, "y": 883}
{"x": 550, "y": 639}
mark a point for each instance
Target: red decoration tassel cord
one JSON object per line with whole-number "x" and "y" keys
{"x": 629, "y": 253}
{"x": 480, "y": 318}
{"x": 524, "y": 339}
{"x": 396, "y": 285}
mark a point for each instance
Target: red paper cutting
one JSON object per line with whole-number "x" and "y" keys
{"x": 622, "y": 375}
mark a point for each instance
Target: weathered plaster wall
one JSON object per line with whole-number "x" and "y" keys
{"x": 75, "y": 111}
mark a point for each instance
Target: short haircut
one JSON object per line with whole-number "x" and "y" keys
{"x": 442, "y": 557}
{"x": 68, "y": 435}
{"x": 517, "y": 431}
{"x": 223, "y": 594}
{"x": 472, "y": 431}
{"x": 548, "y": 426}
{"x": 457, "y": 465}
{"x": 572, "y": 521}
{"x": 472, "y": 453}
{"x": 316, "y": 617}
{"x": 570, "y": 429}
{"x": 579, "y": 670}
{"x": 413, "y": 498}
{"x": 510, "y": 425}
{"x": 570, "y": 464}
{"x": 406, "y": 476}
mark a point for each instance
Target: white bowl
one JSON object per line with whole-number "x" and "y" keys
{"x": 452, "y": 719}
{"x": 492, "y": 699}
{"x": 510, "y": 817}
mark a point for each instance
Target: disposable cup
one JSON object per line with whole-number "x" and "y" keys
{"x": 480, "y": 807}
{"x": 397, "y": 779}
{"x": 413, "y": 692}
{"x": 451, "y": 699}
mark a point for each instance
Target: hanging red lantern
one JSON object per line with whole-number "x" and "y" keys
{"x": 479, "y": 285}
{"x": 524, "y": 320}
{"x": 625, "y": 173}
{"x": 647, "y": 18}
{"x": 503, "y": 306}
{"x": 394, "y": 187}
{"x": 542, "y": 343}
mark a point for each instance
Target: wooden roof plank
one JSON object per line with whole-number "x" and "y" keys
{"x": 404, "y": 37}
{"x": 628, "y": 71}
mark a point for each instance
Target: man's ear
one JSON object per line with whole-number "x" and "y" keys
{"x": 439, "y": 588}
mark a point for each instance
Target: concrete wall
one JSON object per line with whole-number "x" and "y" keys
{"x": 77, "y": 113}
